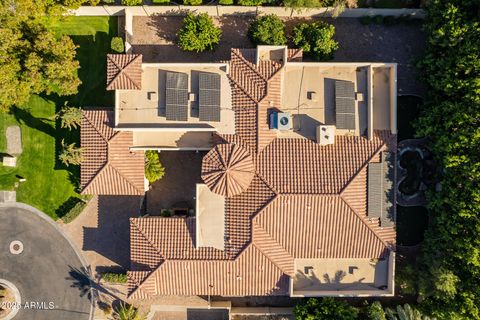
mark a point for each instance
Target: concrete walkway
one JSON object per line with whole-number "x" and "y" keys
{"x": 48, "y": 272}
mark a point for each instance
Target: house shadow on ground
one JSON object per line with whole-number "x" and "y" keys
{"x": 111, "y": 237}
{"x": 177, "y": 188}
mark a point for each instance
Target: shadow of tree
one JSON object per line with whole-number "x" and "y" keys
{"x": 87, "y": 286}
{"x": 23, "y": 116}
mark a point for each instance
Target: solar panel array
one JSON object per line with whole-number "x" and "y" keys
{"x": 209, "y": 96}
{"x": 381, "y": 191}
{"x": 176, "y": 96}
{"x": 345, "y": 105}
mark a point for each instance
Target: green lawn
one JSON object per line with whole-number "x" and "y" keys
{"x": 50, "y": 185}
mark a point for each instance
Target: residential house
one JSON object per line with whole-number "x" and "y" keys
{"x": 298, "y": 192}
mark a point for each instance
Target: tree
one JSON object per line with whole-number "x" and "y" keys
{"x": 33, "y": 59}
{"x": 198, "y": 33}
{"x": 117, "y": 45}
{"x": 70, "y": 117}
{"x": 70, "y": 154}
{"x": 324, "y": 309}
{"x": 267, "y": 30}
{"x": 153, "y": 168}
{"x": 405, "y": 312}
{"x": 128, "y": 312}
{"x": 449, "y": 267}
{"x": 375, "y": 311}
{"x": 316, "y": 39}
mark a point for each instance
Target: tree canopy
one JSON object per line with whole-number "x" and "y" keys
{"x": 33, "y": 59}
{"x": 324, "y": 309}
{"x": 267, "y": 30}
{"x": 198, "y": 33}
{"x": 316, "y": 39}
{"x": 450, "y": 264}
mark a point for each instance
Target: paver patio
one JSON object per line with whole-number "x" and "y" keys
{"x": 177, "y": 187}
{"x": 403, "y": 43}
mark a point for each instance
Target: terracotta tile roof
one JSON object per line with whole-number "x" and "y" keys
{"x": 109, "y": 167}
{"x": 303, "y": 166}
{"x": 245, "y": 75}
{"x": 250, "y": 274}
{"x": 124, "y": 71}
{"x": 300, "y": 191}
{"x": 295, "y": 55}
{"x": 332, "y": 228}
{"x": 228, "y": 169}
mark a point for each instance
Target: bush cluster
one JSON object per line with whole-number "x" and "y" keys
{"x": 72, "y": 209}
{"x": 117, "y": 45}
{"x": 115, "y": 277}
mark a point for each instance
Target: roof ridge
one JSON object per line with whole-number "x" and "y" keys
{"x": 132, "y": 221}
{"x": 121, "y": 70}
{"x": 95, "y": 176}
{"x": 243, "y": 90}
{"x": 249, "y": 64}
{"x": 379, "y": 149}
{"x": 84, "y": 113}
{"x": 121, "y": 175}
{"x": 279, "y": 246}
{"x": 364, "y": 222}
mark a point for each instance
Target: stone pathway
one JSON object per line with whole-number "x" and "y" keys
{"x": 14, "y": 140}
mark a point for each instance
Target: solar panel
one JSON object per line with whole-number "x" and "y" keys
{"x": 381, "y": 192}
{"x": 209, "y": 96}
{"x": 176, "y": 96}
{"x": 345, "y": 105}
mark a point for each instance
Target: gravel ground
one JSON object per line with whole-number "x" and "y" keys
{"x": 154, "y": 37}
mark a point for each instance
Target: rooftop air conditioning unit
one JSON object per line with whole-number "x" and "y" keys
{"x": 281, "y": 121}
{"x": 325, "y": 135}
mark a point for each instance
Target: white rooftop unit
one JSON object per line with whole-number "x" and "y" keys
{"x": 325, "y": 135}
{"x": 281, "y": 121}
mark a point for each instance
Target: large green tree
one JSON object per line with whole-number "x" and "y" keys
{"x": 324, "y": 309}
{"x": 32, "y": 58}
{"x": 450, "y": 264}
{"x": 198, "y": 33}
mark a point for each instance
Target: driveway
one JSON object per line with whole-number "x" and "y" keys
{"x": 48, "y": 270}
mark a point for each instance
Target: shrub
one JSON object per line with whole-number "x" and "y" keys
{"x": 165, "y": 213}
{"x": 108, "y": 1}
{"x": 325, "y": 308}
{"x": 132, "y": 2}
{"x": 366, "y": 20}
{"x": 250, "y": 2}
{"x": 117, "y": 45}
{"x": 115, "y": 277}
{"x": 192, "y": 2}
{"x": 375, "y": 311}
{"x": 390, "y": 20}
{"x": 268, "y": 30}
{"x": 378, "y": 19}
{"x": 153, "y": 168}
{"x": 316, "y": 39}
{"x": 160, "y": 1}
{"x": 198, "y": 33}
{"x": 128, "y": 312}
{"x": 225, "y": 2}
{"x": 72, "y": 209}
